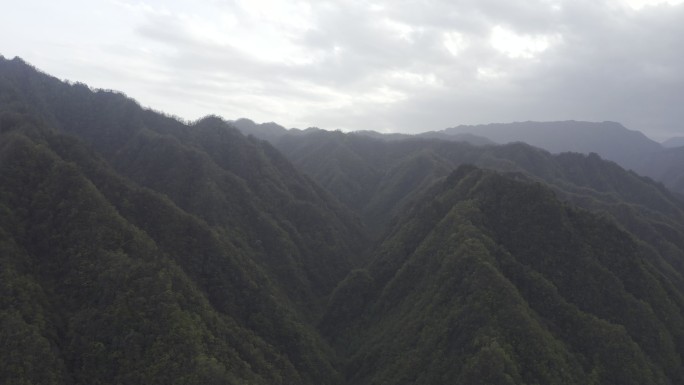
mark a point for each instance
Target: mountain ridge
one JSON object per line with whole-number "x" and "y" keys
{"x": 612, "y": 141}
{"x": 138, "y": 248}
{"x": 459, "y": 255}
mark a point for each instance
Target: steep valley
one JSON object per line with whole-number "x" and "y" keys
{"x": 140, "y": 249}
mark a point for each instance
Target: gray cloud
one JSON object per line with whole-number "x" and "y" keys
{"x": 386, "y": 65}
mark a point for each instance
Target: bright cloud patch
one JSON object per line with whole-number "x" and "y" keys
{"x": 639, "y": 4}
{"x": 414, "y": 79}
{"x": 519, "y": 46}
{"x": 454, "y": 42}
{"x": 403, "y": 31}
{"x": 486, "y": 73}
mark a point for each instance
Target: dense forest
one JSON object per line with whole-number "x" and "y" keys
{"x": 137, "y": 248}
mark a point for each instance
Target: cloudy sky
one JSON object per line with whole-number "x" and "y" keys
{"x": 402, "y": 65}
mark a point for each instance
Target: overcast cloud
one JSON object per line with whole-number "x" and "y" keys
{"x": 407, "y": 66}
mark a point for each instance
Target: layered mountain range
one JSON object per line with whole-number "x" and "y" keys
{"x": 630, "y": 149}
{"x": 140, "y": 249}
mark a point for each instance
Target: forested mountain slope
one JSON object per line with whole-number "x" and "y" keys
{"x": 208, "y": 169}
{"x": 137, "y": 248}
{"x": 491, "y": 279}
{"x": 116, "y": 218}
{"x": 392, "y": 174}
{"x": 630, "y": 149}
{"x": 377, "y": 178}
{"x": 114, "y": 283}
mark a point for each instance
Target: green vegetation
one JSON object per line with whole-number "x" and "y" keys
{"x": 139, "y": 249}
{"x": 149, "y": 259}
{"x": 494, "y": 280}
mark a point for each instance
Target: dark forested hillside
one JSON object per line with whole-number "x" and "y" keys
{"x": 105, "y": 282}
{"x": 208, "y": 169}
{"x": 101, "y": 194}
{"x": 391, "y": 174}
{"x": 136, "y": 248}
{"x": 491, "y": 279}
{"x": 378, "y": 177}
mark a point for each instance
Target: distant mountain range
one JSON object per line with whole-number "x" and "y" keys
{"x": 673, "y": 142}
{"x": 612, "y": 141}
{"x": 272, "y": 132}
{"x": 139, "y": 249}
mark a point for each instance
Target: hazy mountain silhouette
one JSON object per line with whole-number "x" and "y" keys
{"x": 667, "y": 166}
{"x": 609, "y": 139}
{"x": 673, "y": 142}
{"x": 631, "y": 149}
